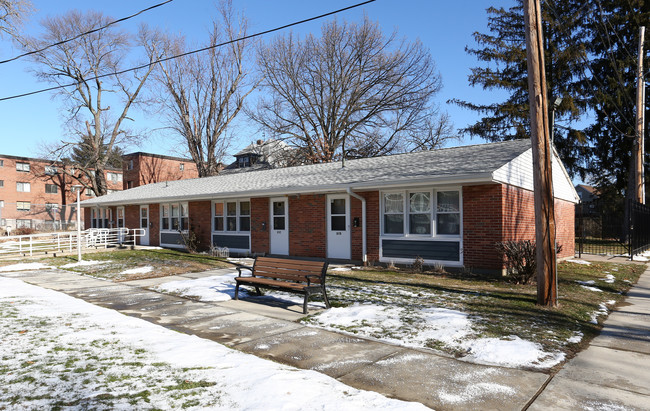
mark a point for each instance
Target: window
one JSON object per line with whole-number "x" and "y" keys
{"x": 23, "y": 223}
{"x": 421, "y": 213}
{"x": 234, "y": 216}
{"x": 2, "y": 163}
{"x": 50, "y": 170}
{"x": 129, "y": 184}
{"x": 114, "y": 177}
{"x": 22, "y": 167}
{"x": 181, "y": 166}
{"x": 23, "y": 205}
{"x": 448, "y": 212}
{"x": 51, "y": 189}
{"x": 90, "y": 192}
{"x": 2, "y": 183}
{"x": 2, "y": 203}
{"x": 23, "y": 187}
{"x": 393, "y": 213}
{"x": 174, "y": 216}
{"x": 130, "y": 165}
{"x": 51, "y": 206}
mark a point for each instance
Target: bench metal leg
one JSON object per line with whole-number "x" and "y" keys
{"x": 327, "y": 301}
{"x": 304, "y": 305}
{"x": 237, "y": 292}
{"x": 258, "y": 290}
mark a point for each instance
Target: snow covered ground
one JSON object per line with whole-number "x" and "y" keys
{"x": 59, "y": 352}
{"x": 406, "y": 325}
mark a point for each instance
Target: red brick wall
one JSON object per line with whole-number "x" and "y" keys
{"x": 307, "y": 226}
{"x": 565, "y": 227}
{"x": 372, "y": 222}
{"x": 482, "y": 222}
{"x": 260, "y": 217}
{"x": 131, "y": 217}
{"x": 200, "y": 214}
{"x": 149, "y": 169}
{"x": 518, "y": 214}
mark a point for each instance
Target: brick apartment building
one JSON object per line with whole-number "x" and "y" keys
{"x": 146, "y": 168}
{"x": 35, "y": 194}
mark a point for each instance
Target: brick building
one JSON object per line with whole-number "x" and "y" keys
{"x": 35, "y": 193}
{"x": 448, "y": 206}
{"x": 146, "y": 168}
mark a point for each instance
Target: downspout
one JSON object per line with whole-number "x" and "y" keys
{"x": 364, "y": 251}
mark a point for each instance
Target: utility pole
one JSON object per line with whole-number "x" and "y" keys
{"x": 639, "y": 146}
{"x": 542, "y": 155}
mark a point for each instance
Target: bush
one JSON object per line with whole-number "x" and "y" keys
{"x": 418, "y": 264}
{"x": 519, "y": 258}
{"x": 23, "y": 231}
{"x": 190, "y": 240}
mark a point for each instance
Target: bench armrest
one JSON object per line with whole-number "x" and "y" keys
{"x": 245, "y": 267}
{"x": 308, "y": 277}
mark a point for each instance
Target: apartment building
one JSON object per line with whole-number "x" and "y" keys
{"x": 35, "y": 193}
{"x": 146, "y": 168}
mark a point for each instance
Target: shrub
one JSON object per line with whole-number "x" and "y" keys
{"x": 23, "y": 231}
{"x": 519, "y": 258}
{"x": 418, "y": 264}
{"x": 190, "y": 240}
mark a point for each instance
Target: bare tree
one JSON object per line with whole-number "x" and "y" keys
{"x": 96, "y": 127}
{"x": 351, "y": 91}
{"x": 12, "y": 14}
{"x": 202, "y": 93}
{"x": 438, "y": 130}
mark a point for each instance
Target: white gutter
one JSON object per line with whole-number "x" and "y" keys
{"x": 364, "y": 252}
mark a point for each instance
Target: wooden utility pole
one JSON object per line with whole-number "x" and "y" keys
{"x": 639, "y": 177}
{"x": 542, "y": 155}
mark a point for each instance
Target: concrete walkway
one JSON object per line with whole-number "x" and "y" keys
{"x": 611, "y": 374}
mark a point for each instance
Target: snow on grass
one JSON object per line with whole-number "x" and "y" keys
{"x": 609, "y": 279}
{"x": 510, "y": 352}
{"x": 25, "y": 267}
{"x": 595, "y": 289}
{"x": 575, "y": 338}
{"x": 341, "y": 269}
{"x": 215, "y": 288}
{"x": 64, "y": 352}
{"x": 139, "y": 270}
{"x": 602, "y": 310}
{"x": 84, "y": 263}
{"x": 576, "y": 261}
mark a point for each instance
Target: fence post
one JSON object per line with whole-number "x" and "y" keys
{"x": 630, "y": 225}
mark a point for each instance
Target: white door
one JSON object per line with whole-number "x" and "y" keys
{"x": 279, "y": 226}
{"x": 120, "y": 225}
{"x": 144, "y": 224}
{"x": 338, "y": 227}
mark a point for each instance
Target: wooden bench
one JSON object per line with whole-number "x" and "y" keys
{"x": 298, "y": 276}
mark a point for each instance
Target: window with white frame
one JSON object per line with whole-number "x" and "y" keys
{"x": 174, "y": 216}
{"x": 23, "y": 187}
{"x": 130, "y": 165}
{"x": 2, "y": 203}
{"x": 181, "y": 167}
{"x": 23, "y": 205}
{"x": 50, "y": 170}
{"x": 51, "y": 206}
{"x": 22, "y": 167}
{"x": 421, "y": 213}
{"x": 2, "y": 163}
{"x": 51, "y": 189}
{"x": 90, "y": 192}
{"x": 2, "y": 183}
{"x": 114, "y": 177}
{"x": 231, "y": 216}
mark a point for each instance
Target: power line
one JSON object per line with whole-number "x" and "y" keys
{"x": 261, "y": 33}
{"x": 86, "y": 33}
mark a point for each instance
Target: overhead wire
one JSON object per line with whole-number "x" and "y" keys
{"x": 258, "y": 34}
{"x": 85, "y": 33}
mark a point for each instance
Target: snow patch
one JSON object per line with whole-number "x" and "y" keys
{"x": 139, "y": 270}
{"x": 84, "y": 263}
{"x": 25, "y": 267}
{"x": 576, "y": 261}
{"x": 513, "y": 352}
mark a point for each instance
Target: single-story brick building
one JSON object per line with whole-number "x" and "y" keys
{"x": 448, "y": 206}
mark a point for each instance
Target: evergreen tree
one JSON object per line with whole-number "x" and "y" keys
{"x": 503, "y": 50}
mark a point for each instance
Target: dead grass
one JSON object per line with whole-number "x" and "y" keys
{"x": 500, "y": 308}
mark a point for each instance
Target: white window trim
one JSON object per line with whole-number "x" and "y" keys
{"x": 421, "y": 237}
{"x": 169, "y": 216}
{"x": 225, "y": 216}
{"x": 26, "y": 186}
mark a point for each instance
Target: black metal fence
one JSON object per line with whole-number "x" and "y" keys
{"x": 621, "y": 228}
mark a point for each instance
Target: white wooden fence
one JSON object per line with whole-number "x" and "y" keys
{"x": 66, "y": 241}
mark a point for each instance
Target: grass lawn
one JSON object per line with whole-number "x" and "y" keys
{"x": 164, "y": 262}
{"x": 498, "y": 309}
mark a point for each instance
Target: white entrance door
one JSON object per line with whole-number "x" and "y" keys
{"x": 120, "y": 225}
{"x": 279, "y": 226}
{"x": 144, "y": 224}
{"x": 338, "y": 226}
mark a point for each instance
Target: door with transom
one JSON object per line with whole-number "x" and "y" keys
{"x": 338, "y": 226}
{"x": 279, "y": 227}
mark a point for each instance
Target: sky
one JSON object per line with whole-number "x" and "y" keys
{"x": 444, "y": 27}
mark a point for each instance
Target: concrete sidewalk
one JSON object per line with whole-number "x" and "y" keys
{"x": 612, "y": 373}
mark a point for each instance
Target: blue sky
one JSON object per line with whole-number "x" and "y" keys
{"x": 445, "y": 27}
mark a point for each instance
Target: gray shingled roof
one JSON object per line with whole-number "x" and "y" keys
{"x": 449, "y": 165}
